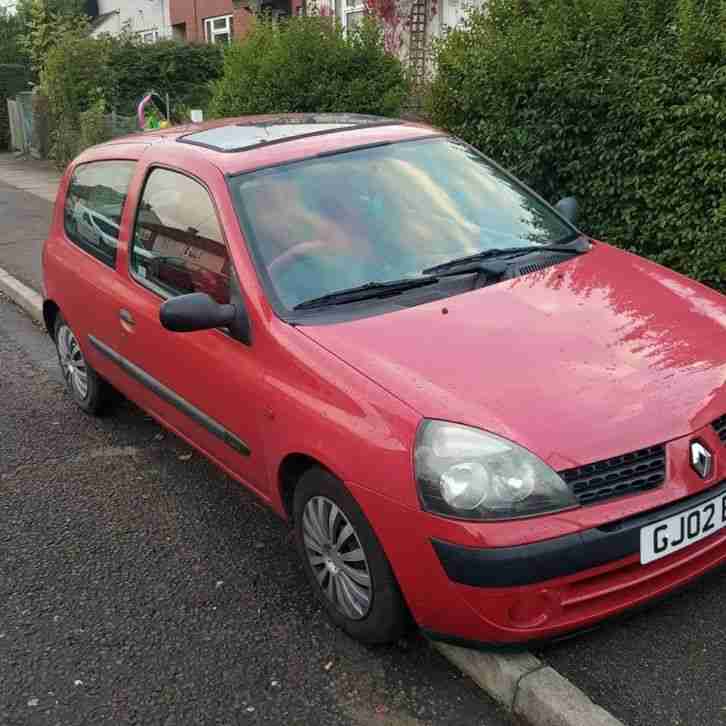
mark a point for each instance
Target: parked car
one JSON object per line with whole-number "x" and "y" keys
{"x": 475, "y": 416}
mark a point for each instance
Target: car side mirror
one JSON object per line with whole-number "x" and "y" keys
{"x": 567, "y": 207}
{"x": 195, "y": 311}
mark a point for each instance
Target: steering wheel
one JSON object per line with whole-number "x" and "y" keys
{"x": 280, "y": 265}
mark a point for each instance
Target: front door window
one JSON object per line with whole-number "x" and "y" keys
{"x": 177, "y": 246}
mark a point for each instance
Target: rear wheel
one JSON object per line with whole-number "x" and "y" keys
{"x": 344, "y": 561}
{"x": 88, "y": 389}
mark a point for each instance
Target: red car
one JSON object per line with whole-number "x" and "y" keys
{"x": 473, "y": 414}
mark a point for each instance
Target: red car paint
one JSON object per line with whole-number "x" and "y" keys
{"x": 600, "y": 355}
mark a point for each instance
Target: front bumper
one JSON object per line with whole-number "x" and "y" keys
{"x": 559, "y": 557}
{"x": 511, "y": 583}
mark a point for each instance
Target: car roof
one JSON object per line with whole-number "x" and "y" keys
{"x": 236, "y": 145}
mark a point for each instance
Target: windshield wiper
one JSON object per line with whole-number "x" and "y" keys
{"x": 366, "y": 292}
{"x": 576, "y": 248}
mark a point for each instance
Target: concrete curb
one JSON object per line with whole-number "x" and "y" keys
{"x": 529, "y": 690}
{"x": 23, "y": 296}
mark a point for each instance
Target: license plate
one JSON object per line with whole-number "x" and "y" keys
{"x": 681, "y": 530}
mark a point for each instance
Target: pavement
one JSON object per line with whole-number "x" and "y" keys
{"x": 27, "y": 193}
{"x": 116, "y": 543}
{"x": 140, "y": 585}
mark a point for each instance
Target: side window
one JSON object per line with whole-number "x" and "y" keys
{"x": 94, "y": 205}
{"x": 177, "y": 245}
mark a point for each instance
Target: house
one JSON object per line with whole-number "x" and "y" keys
{"x": 410, "y": 26}
{"x": 146, "y": 19}
{"x": 220, "y": 21}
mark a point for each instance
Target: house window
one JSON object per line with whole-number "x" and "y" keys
{"x": 149, "y": 36}
{"x": 353, "y": 13}
{"x": 218, "y": 30}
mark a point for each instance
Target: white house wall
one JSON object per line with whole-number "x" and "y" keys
{"x": 9, "y": 6}
{"x": 442, "y": 15}
{"x": 135, "y": 16}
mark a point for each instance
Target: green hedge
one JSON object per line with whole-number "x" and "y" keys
{"x": 185, "y": 71}
{"x": 14, "y": 78}
{"x": 619, "y": 102}
{"x": 308, "y": 64}
{"x": 121, "y": 72}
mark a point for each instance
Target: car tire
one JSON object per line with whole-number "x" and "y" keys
{"x": 352, "y": 579}
{"x": 86, "y": 387}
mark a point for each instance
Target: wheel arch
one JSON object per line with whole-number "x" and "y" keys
{"x": 50, "y": 314}
{"x": 290, "y": 471}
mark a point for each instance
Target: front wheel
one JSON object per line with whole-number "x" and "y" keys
{"x": 344, "y": 561}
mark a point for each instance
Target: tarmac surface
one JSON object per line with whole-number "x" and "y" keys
{"x": 140, "y": 585}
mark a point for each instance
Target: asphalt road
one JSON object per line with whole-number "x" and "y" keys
{"x": 139, "y": 585}
{"x": 663, "y": 666}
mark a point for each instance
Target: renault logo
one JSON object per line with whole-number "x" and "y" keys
{"x": 701, "y": 459}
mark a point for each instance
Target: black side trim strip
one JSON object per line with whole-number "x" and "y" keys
{"x": 166, "y": 394}
{"x": 540, "y": 561}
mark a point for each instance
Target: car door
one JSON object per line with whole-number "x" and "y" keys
{"x": 84, "y": 280}
{"x": 206, "y": 384}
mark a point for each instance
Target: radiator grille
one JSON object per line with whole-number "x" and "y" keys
{"x": 720, "y": 425}
{"x": 626, "y": 474}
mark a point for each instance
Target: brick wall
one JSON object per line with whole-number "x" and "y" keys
{"x": 242, "y": 21}
{"x": 192, "y": 13}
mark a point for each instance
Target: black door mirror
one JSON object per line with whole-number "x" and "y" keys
{"x": 195, "y": 311}
{"x": 567, "y": 207}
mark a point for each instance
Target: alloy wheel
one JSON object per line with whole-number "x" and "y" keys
{"x": 337, "y": 558}
{"x": 72, "y": 362}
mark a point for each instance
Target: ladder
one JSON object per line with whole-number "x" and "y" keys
{"x": 417, "y": 50}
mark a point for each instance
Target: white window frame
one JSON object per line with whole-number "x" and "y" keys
{"x": 148, "y": 36}
{"x": 211, "y": 33}
{"x": 350, "y": 7}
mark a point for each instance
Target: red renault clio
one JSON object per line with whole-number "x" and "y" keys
{"x": 472, "y": 413}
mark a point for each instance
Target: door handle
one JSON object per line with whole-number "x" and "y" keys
{"x": 126, "y": 317}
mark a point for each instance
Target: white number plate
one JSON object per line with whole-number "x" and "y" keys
{"x": 681, "y": 530}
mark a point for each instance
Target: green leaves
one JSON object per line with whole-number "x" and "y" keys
{"x": 308, "y": 64}
{"x": 607, "y": 100}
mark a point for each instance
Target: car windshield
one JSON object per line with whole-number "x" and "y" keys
{"x": 383, "y": 213}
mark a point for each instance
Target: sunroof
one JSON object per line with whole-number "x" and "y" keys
{"x": 238, "y": 137}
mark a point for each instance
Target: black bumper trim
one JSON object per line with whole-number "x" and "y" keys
{"x": 540, "y": 561}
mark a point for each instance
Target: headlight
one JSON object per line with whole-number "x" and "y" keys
{"x": 470, "y": 474}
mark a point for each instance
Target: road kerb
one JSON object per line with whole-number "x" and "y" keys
{"x": 528, "y": 689}
{"x": 22, "y": 295}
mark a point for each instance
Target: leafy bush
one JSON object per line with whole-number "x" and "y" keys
{"x": 14, "y": 78}
{"x": 307, "y": 64}
{"x": 11, "y": 48}
{"x": 121, "y": 72}
{"x": 94, "y": 127}
{"x": 73, "y": 85}
{"x": 620, "y": 102}
{"x": 44, "y": 23}
{"x": 184, "y": 71}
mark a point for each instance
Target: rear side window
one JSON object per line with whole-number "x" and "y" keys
{"x": 177, "y": 245}
{"x": 94, "y": 205}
